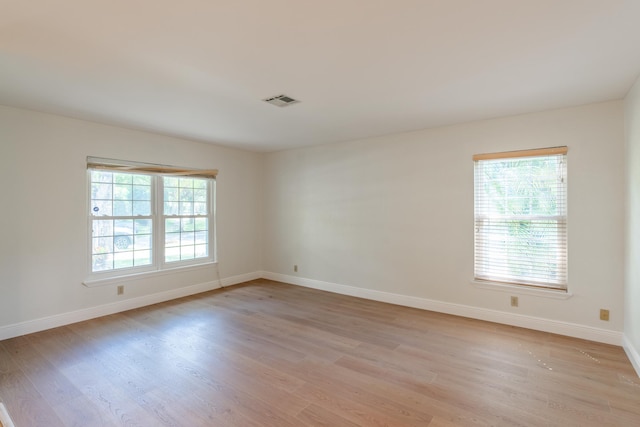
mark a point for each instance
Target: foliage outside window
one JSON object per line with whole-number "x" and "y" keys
{"x": 147, "y": 221}
{"x": 521, "y": 218}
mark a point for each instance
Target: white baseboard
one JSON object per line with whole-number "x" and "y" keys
{"x": 5, "y": 419}
{"x": 632, "y": 353}
{"x": 36, "y": 325}
{"x": 536, "y": 323}
{"x": 529, "y": 322}
{"x": 241, "y": 278}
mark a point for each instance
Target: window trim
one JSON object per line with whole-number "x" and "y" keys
{"x": 141, "y": 275}
{"x": 148, "y": 168}
{"x": 511, "y": 288}
{"x": 163, "y": 264}
{"x": 158, "y": 266}
{"x": 536, "y": 152}
{"x": 526, "y": 287}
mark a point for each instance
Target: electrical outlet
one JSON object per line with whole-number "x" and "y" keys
{"x": 514, "y": 301}
{"x": 120, "y": 290}
{"x": 295, "y": 268}
{"x": 604, "y": 314}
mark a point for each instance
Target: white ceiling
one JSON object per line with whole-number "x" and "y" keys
{"x": 198, "y": 69}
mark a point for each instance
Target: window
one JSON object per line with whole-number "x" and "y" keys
{"x": 148, "y": 217}
{"x": 186, "y": 221}
{"x": 121, "y": 220}
{"x": 521, "y": 218}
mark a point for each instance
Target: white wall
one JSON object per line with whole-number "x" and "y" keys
{"x": 632, "y": 288}
{"x": 43, "y": 225}
{"x": 395, "y": 213}
{"x": 392, "y": 214}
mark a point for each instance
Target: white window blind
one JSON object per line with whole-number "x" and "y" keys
{"x": 97, "y": 163}
{"x": 521, "y": 217}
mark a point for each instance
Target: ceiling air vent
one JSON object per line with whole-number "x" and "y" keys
{"x": 281, "y": 100}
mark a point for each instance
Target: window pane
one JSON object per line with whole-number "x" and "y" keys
{"x": 123, "y": 178}
{"x": 172, "y": 225}
{"x": 171, "y": 194}
{"x": 122, "y": 242}
{"x": 142, "y": 226}
{"x": 102, "y": 228}
{"x": 201, "y": 224}
{"x": 123, "y": 226}
{"x": 171, "y": 239}
{"x": 172, "y": 254}
{"x": 122, "y": 192}
{"x": 142, "y": 179}
{"x": 141, "y": 192}
{"x": 201, "y": 251}
{"x": 200, "y": 196}
{"x": 102, "y": 262}
{"x": 171, "y": 208}
{"x": 101, "y": 191}
{"x": 101, "y": 208}
{"x": 142, "y": 242}
{"x": 186, "y": 194}
{"x": 141, "y": 208}
{"x": 122, "y": 208}
{"x": 201, "y": 237}
{"x": 99, "y": 176}
{"x": 187, "y": 238}
{"x": 171, "y": 182}
{"x": 187, "y": 252}
{"x": 186, "y": 208}
{"x": 122, "y": 234}
{"x": 142, "y": 258}
{"x": 102, "y": 245}
{"x": 123, "y": 259}
{"x": 187, "y": 224}
{"x": 199, "y": 208}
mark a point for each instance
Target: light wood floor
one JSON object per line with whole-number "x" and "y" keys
{"x": 269, "y": 354}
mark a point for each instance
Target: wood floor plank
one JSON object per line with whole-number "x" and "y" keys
{"x": 7, "y": 363}
{"x": 347, "y": 405}
{"x": 25, "y": 404}
{"x": 269, "y": 354}
{"x": 47, "y": 380}
{"x": 113, "y": 402}
{"x": 314, "y": 415}
{"x": 81, "y": 412}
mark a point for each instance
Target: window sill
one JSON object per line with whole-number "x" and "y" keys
{"x": 95, "y": 282}
{"x": 522, "y": 290}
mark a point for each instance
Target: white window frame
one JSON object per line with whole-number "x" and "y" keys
{"x": 483, "y": 277}
{"x": 158, "y": 264}
{"x": 164, "y": 265}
